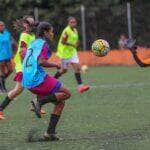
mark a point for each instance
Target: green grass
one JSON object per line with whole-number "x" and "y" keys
{"x": 113, "y": 115}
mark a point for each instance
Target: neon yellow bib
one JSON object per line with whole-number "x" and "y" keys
{"x": 65, "y": 51}
{"x": 27, "y": 38}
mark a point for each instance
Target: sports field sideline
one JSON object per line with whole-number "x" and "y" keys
{"x": 113, "y": 115}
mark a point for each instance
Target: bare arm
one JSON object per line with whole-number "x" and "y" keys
{"x": 45, "y": 63}
{"x": 64, "y": 40}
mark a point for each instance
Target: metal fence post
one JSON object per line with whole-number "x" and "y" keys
{"x": 129, "y": 20}
{"x": 83, "y": 27}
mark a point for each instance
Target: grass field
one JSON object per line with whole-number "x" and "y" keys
{"x": 113, "y": 115}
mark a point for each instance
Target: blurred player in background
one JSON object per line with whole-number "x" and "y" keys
{"x": 40, "y": 83}
{"x": 26, "y": 37}
{"x": 67, "y": 52}
{"x": 6, "y": 46}
{"x": 122, "y": 41}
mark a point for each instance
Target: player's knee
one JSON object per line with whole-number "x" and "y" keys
{"x": 67, "y": 94}
{"x": 78, "y": 70}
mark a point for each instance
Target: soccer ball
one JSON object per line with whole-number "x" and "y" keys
{"x": 100, "y": 48}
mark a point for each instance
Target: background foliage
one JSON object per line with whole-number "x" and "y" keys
{"x": 104, "y": 18}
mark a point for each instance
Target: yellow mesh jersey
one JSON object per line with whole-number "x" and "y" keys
{"x": 27, "y": 38}
{"x": 65, "y": 51}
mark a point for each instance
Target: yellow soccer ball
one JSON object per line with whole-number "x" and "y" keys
{"x": 100, "y": 47}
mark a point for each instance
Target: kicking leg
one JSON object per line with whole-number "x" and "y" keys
{"x": 77, "y": 68}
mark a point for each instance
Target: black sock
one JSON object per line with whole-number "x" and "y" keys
{"x": 47, "y": 99}
{"x": 53, "y": 123}
{"x": 2, "y": 82}
{"x": 78, "y": 78}
{"x": 57, "y": 75}
{"x": 5, "y": 103}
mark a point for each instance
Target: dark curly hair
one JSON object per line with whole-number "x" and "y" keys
{"x": 42, "y": 27}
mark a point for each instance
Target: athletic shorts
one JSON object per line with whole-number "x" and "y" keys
{"x": 49, "y": 86}
{"x": 18, "y": 77}
{"x": 65, "y": 62}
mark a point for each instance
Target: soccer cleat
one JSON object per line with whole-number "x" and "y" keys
{"x": 42, "y": 110}
{"x": 2, "y": 115}
{"x": 50, "y": 137}
{"x": 37, "y": 108}
{"x": 83, "y": 88}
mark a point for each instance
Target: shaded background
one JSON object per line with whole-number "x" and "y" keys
{"x": 104, "y": 18}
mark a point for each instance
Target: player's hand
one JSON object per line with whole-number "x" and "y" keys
{"x": 58, "y": 66}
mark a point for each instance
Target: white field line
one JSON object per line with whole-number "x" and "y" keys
{"x": 120, "y": 85}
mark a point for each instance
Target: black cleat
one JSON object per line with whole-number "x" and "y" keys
{"x": 51, "y": 137}
{"x": 37, "y": 108}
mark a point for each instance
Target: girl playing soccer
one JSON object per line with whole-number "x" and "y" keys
{"x": 5, "y": 55}
{"x": 40, "y": 83}
{"x": 67, "y": 52}
{"x": 26, "y": 37}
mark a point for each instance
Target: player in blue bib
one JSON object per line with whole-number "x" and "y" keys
{"x": 5, "y": 55}
{"x": 46, "y": 87}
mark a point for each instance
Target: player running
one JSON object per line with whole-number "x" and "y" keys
{"x": 67, "y": 52}
{"x": 26, "y": 37}
{"x": 40, "y": 83}
{"x": 6, "y": 46}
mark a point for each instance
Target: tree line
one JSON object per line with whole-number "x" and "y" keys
{"x": 104, "y": 18}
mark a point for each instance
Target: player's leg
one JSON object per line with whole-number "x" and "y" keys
{"x": 59, "y": 101}
{"x": 9, "y": 68}
{"x": 3, "y": 76}
{"x": 53, "y": 92}
{"x": 63, "y": 70}
{"x": 11, "y": 95}
{"x": 54, "y": 119}
{"x": 58, "y": 95}
{"x": 6, "y": 70}
{"x": 77, "y": 69}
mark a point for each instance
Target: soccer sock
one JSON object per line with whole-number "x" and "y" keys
{"x": 2, "y": 82}
{"x": 47, "y": 99}
{"x": 57, "y": 75}
{"x": 5, "y": 103}
{"x": 53, "y": 123}
{"x": 78, "y": 78}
